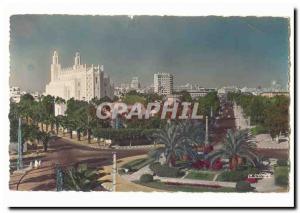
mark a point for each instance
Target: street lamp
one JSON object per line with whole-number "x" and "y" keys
{"x": 114, "y": 172}
{"x": 20, "y": 157}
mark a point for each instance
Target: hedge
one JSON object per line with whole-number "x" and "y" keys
{"x": 125, "y": 136}
{"x": 281, "y": 162}
{"x": 243, "y": 186}
{"x": 165, "y": 171}
{"x": 281, "y": 174}
{"x": 146, "y": 178}
{"x": 137, "y": 164}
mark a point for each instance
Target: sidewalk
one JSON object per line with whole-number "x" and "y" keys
{"x": 124, "y": 185}
{"x": 268, "y": 185}
{"x": 197, "y": 182}
{"x": 240, "y": 121}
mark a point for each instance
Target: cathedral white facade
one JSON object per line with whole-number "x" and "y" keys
{"x": 81, "y": 81}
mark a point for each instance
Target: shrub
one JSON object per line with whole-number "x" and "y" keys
{"x": 201, "y": 164}
{"x": 243, "y": 186}
{"x": 125, "y": 136}
{"x": 165, "y": 171}
{"x": 137, "y": 164}
{"x": 208, "y": 149}
{"x": 217, "y": 165}
{"x": 244, "y": 167}
{"x": 282, "y": 180}
{"x": 154, "y": 166}
{"x": 251, "y": 180}
{"x": 259, "y": 129}
{"x": 146, "y": 178}
{"x": 281, "y": 174}
{"x": 281, "y": 162}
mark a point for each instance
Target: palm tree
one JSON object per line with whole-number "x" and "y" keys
{"x": 47, "y": 107}
{"x": 179, "y": 138}
{"x": 237, "y": 145}
{"x": 81, "y": 178}
{"x": 45, "y": 137}
{"x": 88, "y": 119}
{"x": 70, "y": 124}
{"x": 25, "y": 107}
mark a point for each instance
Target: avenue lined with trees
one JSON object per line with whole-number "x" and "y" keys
{"x": 270, "y": 115}
{"x": 183, "y": 144}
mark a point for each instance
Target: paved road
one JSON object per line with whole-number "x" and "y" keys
{"x": 66, "y": 154}
{"x": 221, "y": 125}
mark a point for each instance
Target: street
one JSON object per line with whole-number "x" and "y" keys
{"x": 64, "y": 153}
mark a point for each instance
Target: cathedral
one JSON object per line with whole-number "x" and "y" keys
{"x": 81, "y": 81}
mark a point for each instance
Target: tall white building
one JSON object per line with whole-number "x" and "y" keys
{"x": 81, "y": 81}
{"x": 15, "y": 94}
{"x": 135, "y": 84}
{"x": 163, "y": 83}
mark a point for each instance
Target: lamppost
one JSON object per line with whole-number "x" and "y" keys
{"x": 59, "y": 178}
{"x": 114, "y": 172}
{"x": 206, "y": 131}
{"x": 20, "y": 160}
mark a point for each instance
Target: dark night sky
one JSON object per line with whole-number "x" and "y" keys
{"x": 210, "y": 51}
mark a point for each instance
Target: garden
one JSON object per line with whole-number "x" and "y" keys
{"x": 186, "y": 163}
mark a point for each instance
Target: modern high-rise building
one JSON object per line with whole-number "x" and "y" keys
{"x": 15, "y": 94}
{"x": 135, "y": 84}
{"x": 163, "y": 83}
{"x": 81, "y": 81}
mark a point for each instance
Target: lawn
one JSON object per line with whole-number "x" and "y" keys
{"x": 182, "y": 188}
{"x": 200, "y": 175}
{"x": 235, "y": 176}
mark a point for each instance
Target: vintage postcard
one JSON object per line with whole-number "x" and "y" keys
{"x": 154, "y": 104}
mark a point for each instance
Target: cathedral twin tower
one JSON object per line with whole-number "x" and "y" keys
{"x": 81, "y": 81}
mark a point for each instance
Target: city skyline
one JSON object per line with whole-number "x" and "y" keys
{"x": 210, "y": 51}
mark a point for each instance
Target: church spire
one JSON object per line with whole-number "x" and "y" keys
{"x": 55, "y": 58}
{"x": 77, "y": 59}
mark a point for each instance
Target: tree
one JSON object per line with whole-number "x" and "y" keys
{"x": 153, "y": 97}
{"x": 184, "y": 96}
{"x": 47, "y": 110}
{"x": 179, "y": 138}
{"x": 96, "y": 101}
{"x": 59, "y": 100}
{"x": 277, "y": 116}
{"x": 237, "y": 145}
{"x": 208, "y": 103}
{"x": 13, "y": 121}
{"x": 81, "y": 178}
{"x": 45, "y": 137}
{"x": 131, "y": 99}
{"x": 85, "y": 119}
{"x": 269, "y": 113}
{"x": 25, "y": 107}
{"x": 73, "y": 120}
